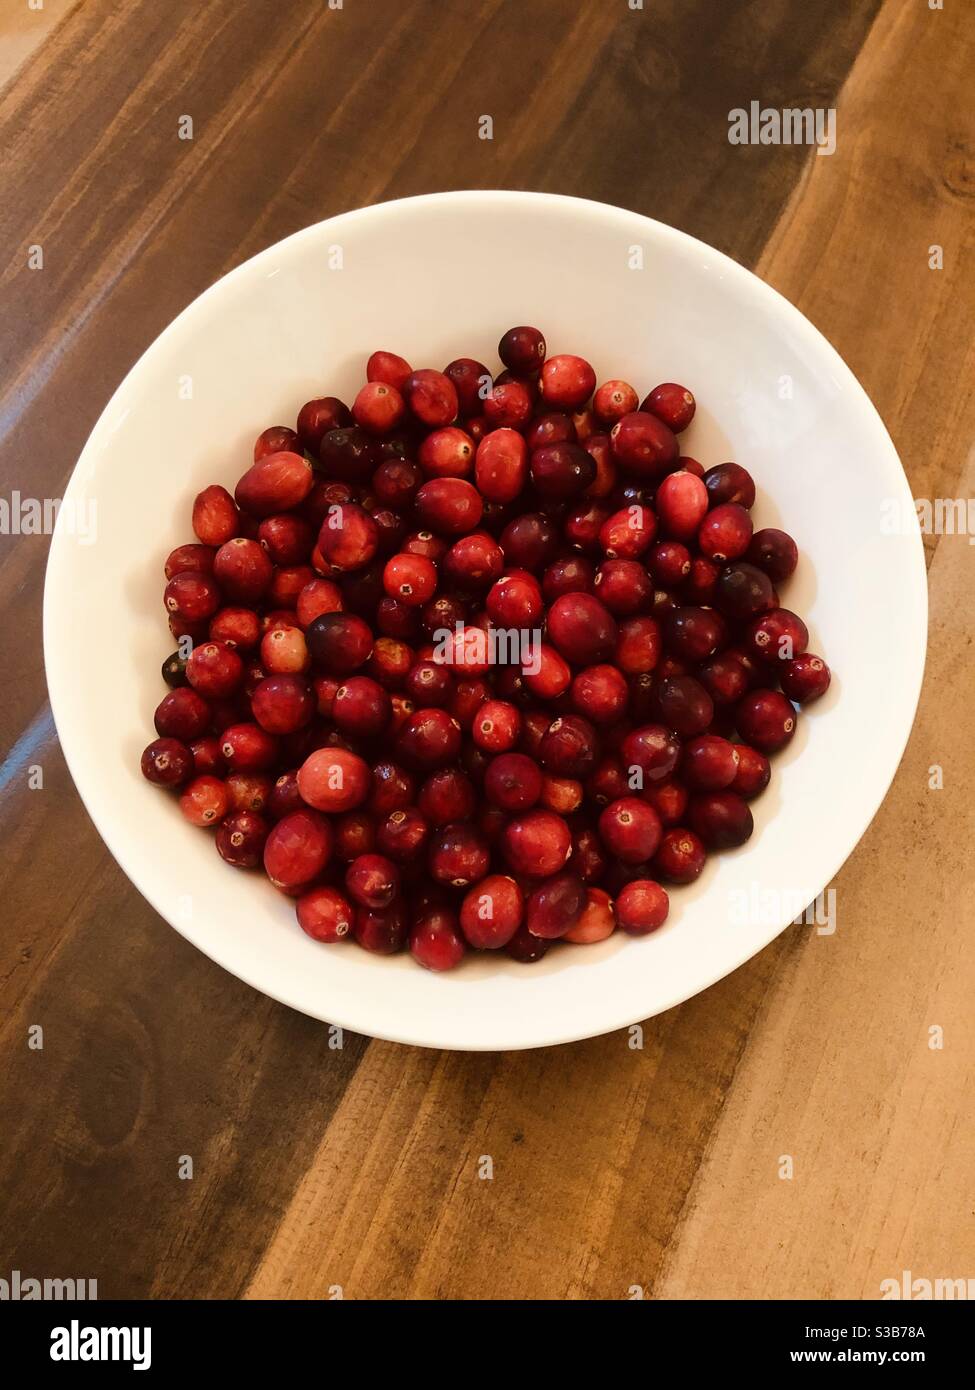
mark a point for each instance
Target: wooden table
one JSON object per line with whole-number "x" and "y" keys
{"x": 613, "y": 1168}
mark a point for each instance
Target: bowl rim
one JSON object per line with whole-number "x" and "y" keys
{"x": 59, "y": 680}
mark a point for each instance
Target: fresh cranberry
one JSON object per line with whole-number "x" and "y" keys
{"x": 724, "y": 677}
{"x": 241, "y": 838}
{"x": 429, "y": 684}
{"x": 317, "y": 417}
{"x": 641, "y": 907}
{"x": 598, "y": 446}
{"x": 447, "y": 453}
{"x": 709, "y": 762}
{"x": 553, "y": 427}
{"x": 491, "y": 912}
{"x": 275, "y": 483}
{"x": 390, "y": 662}
{"x": 684, "y": 705}
{"x": 432, "y": 397}
{"x": 600, "y": 693}
{"x": 474, "y": 562}
{"x": 725, "y": 532}
{"x": 669, "y": 562}
{"x": 192, "y": 596}
{"x": 701, "y": 582}
{"x": 395, "y": 482}
{"x": 468, "y": 696}
{"x": 325, "y": 914}
{"x": 515, "y": 600}
{"x": 673, "y": 404}
{"x": 282, "y": 704}
{"x": 361, "y": 707}
{"x": 496, "y": 726}
{"x": 248, "y": 748}
{"x": 378, "y": 407}
{"x": 630, "y": 829}
{"x": 508, "y": 405}
{"x": 275, "y": 440}
{"x": 775, "y": 552}
{"x": 561, "y": 794}
{"x": 435, "y": 940}
{"x": 729, "y": 482}
{"x": 607, "y": 781}
{"x": 207, "y": 756}
{"x": 388, "y": 367}
{"x": 613, "y": 400}
{"x": 215, "y": 515}
{"x": 536, "y": 843}
{"x": 623, "y": 587}
{"x": 297, "y": 850}
{"x": 458, "y": 855}
{"x": 182, "y": 714}
{"x": 446, "y": 795}
{"x": 333, "y": 779}
{"x": 372, "y": 880}
{"x": 471, "y": 380}
{"x": 682, "y": 504}
{"x": 393, "y": 788}
{"x": 643, "y": 445}
{"x": 805, "y": 678}
{"x": 403, "y": 835}
{"x": 638, "y": 645}
{"x": 526, "y": 948}
{"x": 429, "y": 738}
{"x": 765, "y": 719}
{"x": 693, "y": 634}
{"x": 349, "y": 537}
{"x": 522, "y": 350}
{"x": 411, "y": 579}
{"x": 513, "y": 782}
{"x": 581, "y": 628}
{"x": 167, "y": 762}
{"x": 628, "y": 533}
{"x": 283, "y": 796}
{"x": 569, "y": 747}
{"x": 669, "y": 798}
{"x": 567, "y": 382}
{"x": 753, "y": 773}
{"x": 284, "y": 651}
{"x": 501, "y": 465}
{"x": 214, "y": 670}
{"x": 681, "y": 856}
{"x": 530, "y": 542}
{"x": 449, "y": 506}
{"x": 185, "y": 559}
{"x": 776, "y": 636}
{"x": 555, "y": 906}
{"x": 561, "y": 471}
{"x": 348, "y": 455}
{"x": 338, "y": 643}
{"x": 742, "y": 591}
{"x": 573, "y": 574}
{"x": 721, "y": 819}
{"x": 355, "y": 834}
{"x": 381, "y": 930}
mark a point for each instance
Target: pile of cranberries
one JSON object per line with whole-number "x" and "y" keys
{"x": 339, "y": 712}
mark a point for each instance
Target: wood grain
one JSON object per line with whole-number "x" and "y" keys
{"x": 359, "y": 1167}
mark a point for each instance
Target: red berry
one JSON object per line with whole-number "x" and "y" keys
{"x": 630, "y": 829}
{"x": 491, "y": 912}
{"x": 447, "y": 795}
{"x": 333, "y": 779}
{"x": 436, "y": 942}
{"x": 471, "y": 380}
{"x": 641, "y": 907}
{"x": 508, "y": 405}
{"x": 449, "y": 506}
{"x": 684, "y": 705}
{"x": 458, "y": 855}
{"x": 710, "y": 762}
{"x": 680, "y": 856}
{"x": 182, "y": 714}
{"x": 555, "y": 906}
{"x": 403, "y": 835}
{"x": 501, "y": 465}
{"x": 496, "y": 726}
{"x": 432, "y": 397}
{"x": 567, "y": 382}
{"x": 682, "y": 504}
{"x": 214, "y": 670}
{"x": 725, "y": 532}
{"x": 410, "y": 578}
{"x": 297, "y": 850}
{"x": 513, "y": 782}
{"x": 429, "y": 738}
{"x": 215, "y": 515}
{"x": 743, "y": 591}
{"x": 318, "y": 417}
{"x": 600, "y": 693}
{"x": 569, "y": 747}
{"x": 339, "y": 643}
{"x": 693, "y": 634}
{"x": 643, "y": 445}
{"x": 325, "y": 914}
{"x": 349, "y": 537}
{"x": 361, "y": 707}
{"x": 729, "y": 482}
{"x": 638, "y": 645}
{"x": 372, "y": 880}
{"x": 773, "y": 551}
{"x": 561, "y": 471}
{"x": 192, "y": 596}
{"x": 526, "y": 948}
{"x": 613, "y": 400}
{"x": 275, "y": 483}
{"x": 248, "y": 748}
{"x": 388, "y": 367}
{"x": 240, "y": 839}
{"x": 623, "y": 586}
{"x": 522, "y": 350}
{"x": 776, "y": 636}
{"x": 765, "y": 719}
{"x": 378, "y": 407}
{"x": 582, "y": 629}
{"x": 381, "y": 930}
{"x": 243, "y": 569}
{"x": 275, "y": 440}
{"x": 721, "y": 819}
{"x": 805, "y": 678}
{"x": 196, "y": 558}
{"x": 753, "y": 773}
{"x": 167, "y": 762}
{"x": 671, "y": 403}
{"x": 536, "y": 843}
{"x": 447, "y": 453}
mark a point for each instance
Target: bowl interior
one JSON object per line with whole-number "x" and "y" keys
{"x": 434, "y": 278}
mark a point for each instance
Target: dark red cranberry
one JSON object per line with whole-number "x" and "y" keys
{"x": 317, "y": 417}
{"x": 338, "y": 643}
{"x": 429, "y": 738}
{"x": 349, "y": 537}
{"x": 709, "y": 762}
{"x": 355, "y": 834}
{"x": 583, "y": 524}
{"x": 468, "y": 696}
{"x": 742, "y": 591}
{"x": 275, "y": 483}
{"x": 474, "y": 562}
{"x": 275, "y": 440}
{"x": 297, "y": 850}
{"x": 167, "y": 762}
{"x": 721, "y": 819}
{"x": 623, "y": 586}
{"x": 393, "y": 788}
{"x": 283, "y": 796}
{"x": 447, "y": 795}
{"x": 680, "y": 856}
{"x": 334, "y": 779}
{"x": 765, "y": 719}
{"x": 432, "y": 397}
{"x": 638, "y": 645}
{"x": 630, "y": 829}
{"x": 403, "y": 835}
{"x": 776, "y": 636}
{"x": 381, "y": 930}
{"x": 753, "y": 773}
{"x": 361, "y": 707}
{"x": 673, "y": 404}
{"x": 395, "y": 619}
{"x": 182, "y": 714}
{"x": 536, "y": 843}
{"x": 608, "y": 780}
{"x": 724, "y": 677}
{"x": 805, "y": 678}
{"x": 214, "y": 670}
{"x": 390, "y": 662}
{"x": 281, "y": 704}
{"x": 522, "y": 350}
{"x": 561, "y": 471}
{"x": 725, "y": 532}
{"x": 435, "y": 940}
{"x": 774, "y": 552}
{"x": 669, "y": 563}
{"x": 372, "y": 880}
{"x": 684, "y": 705}
{"x": 472, "y": 382}
{"x": 588, "y": 856}
{"x": 641, "y": 907}
{"x": 643, "y": 445}
{"x": 325, "y": 914}
{"x": 508, "y": 405}
{"x": 567, "y": 382}
{"x": 513, "y": 782}
{"x": 582, "y": 629}
{"x": 701, "y": 582}
{"x": 443, "y": 612}
{"x": 526, "y": 948}
{"x": 349, "y": 455}
{"x": 248, "y": 748}
{"x": 729, "y": 482}
{"x": 569, "y": 747}
{"x": 458, "y": 855}
{"x": 207, "y": 756}
{"x": 192, "y": 596}
{"x": 668, "y": 797}
{"x": 555, "y": 906}
{"x": 429, "y": 684}
{"x": 240, "y": 839}
{"x": 653, "y": 749}
{"x": 573, "y": 574}
{"x": 693, "y": 634}
{"x": 395, "y": 482}
{"x": 553, "y": 427}
{"x": 530, "y": 542}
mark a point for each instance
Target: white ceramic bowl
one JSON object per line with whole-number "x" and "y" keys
{"x": 433, "y": 278}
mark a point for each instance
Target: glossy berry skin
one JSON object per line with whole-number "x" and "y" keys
{"x": 189, "y": 559}
{"x": 429, "y": 684}
{"x": 765, "y": 719}
{"x": 673, "y": 404}
{"x": 492, "y": 912}
{"x": 643, "y": 445}
{"x": 623, "y": 587}
{"x": 372, "y": 880}
{"x": 596, "y": 921}
{"x": 338, "y": 643}
{"x": 555, "y": 906}
{"x": 215, "y": 515}
{"x": 536, "y": 843}
{"x": 471, "y": 380}
{"x": 297, "y": 850}
{"x": 428, "y": 739}
{"x": 496, "y": 726}
{"x": 447, "y": 795}
{"x": 513, "y": 781}
{"x": 613, "y": 400}
{"x": 684, "y": 705}
{"x": 317, "y": 417}
{"x": 282, "y": 704}
{"x": 721, "y": 820}
{"x": 526, "y": 948}
{"x": 436, "y": 942}
{"x": 668, "y": 798}
{"x": 248, "y": 748}
{"x": 530, "y": 541}
{"x": 458, "y": 855}
{"x": 275, "y": 483}
{"x": 630, "y": 829}
{"x": 581, "y": 628}
{"x": 383, "y": 931}
{"x": 522, "y": 350}
{"x": 600, "y": 694}
{"x": 448, "y": 506}
{"x": 361, "y": 707}
{"x": 474, "y": 562}
{"x": 627, "y": 534}
{"x": 724, "y": 677}
{"x": 729, "y": 482}
{"x": 638, "y": 645}
{"x": 567, "y": 382}
{"x": 501, "y": 465}
{"x": 743, "y": 591}
{"x": 681, "y": 503}
{"x": 214, "y": 670}
{"x": 183, "y": 714}
{"x": 431, "y": 397}
{"x": 753, "y": 774}
{"x": 325, "y": 914}
{"x": 411, "y": 579}
{"x": 192, "y": 596}
{"x": 724, "y": 533}
{"x": 573, "y": 574}
{"x": 167, "y": 762}
{"x": 275, "y": 440}
{"x": 515, "y": 600}
{"x": 653, "y": 749}
{"x": 776, "y": 636}
{"x": 333, "y": 779}
{"x": 388, "y": 367}
{"x": 709, "y": 762}
{"x": 508, "y": 405}
{"x": 403, "y": 835}
{"x": 349, "y": 537}
{"x": 560, "y": 472}
{"x": 641, "y": 907}
{"x": 693, "y": 634}
{"x": 240, "y": 839}
{"x": 569, "y": 747}
{"x": 393, "y": 788}
{"x": 805, "y": 678}
{"x": 681, "y": 856}
{"x": 773, "y": 551}
{"x": 446, "y": 453}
